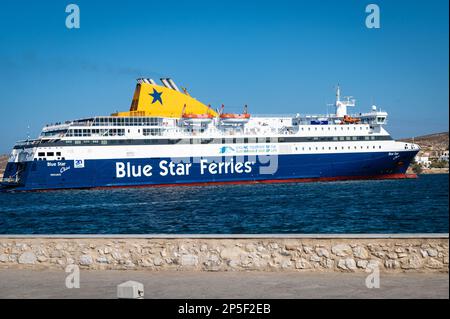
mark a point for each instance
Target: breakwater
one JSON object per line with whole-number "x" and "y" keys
{"x": 332, "y": 253}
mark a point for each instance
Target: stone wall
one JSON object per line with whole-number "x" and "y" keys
{"x": 229, "y": 254}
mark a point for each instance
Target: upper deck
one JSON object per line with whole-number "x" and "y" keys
{"x": 198, "y": 120}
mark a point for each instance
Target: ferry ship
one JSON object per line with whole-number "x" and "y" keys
{"x": 170, "y": 138}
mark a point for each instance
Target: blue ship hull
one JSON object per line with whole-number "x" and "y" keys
{"x": 43, "y": 175}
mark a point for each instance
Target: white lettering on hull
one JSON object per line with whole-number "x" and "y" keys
{"x": 182, "y": 169}
{"x": 129, "y": 170}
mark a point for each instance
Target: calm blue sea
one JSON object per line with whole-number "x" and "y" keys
{"x": 389, "y": 206}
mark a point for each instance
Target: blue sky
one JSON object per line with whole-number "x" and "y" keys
{"x": 276, "y": 56}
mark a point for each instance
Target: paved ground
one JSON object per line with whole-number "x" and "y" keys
{"x": 102, "y": 284}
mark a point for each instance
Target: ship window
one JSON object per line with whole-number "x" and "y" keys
{"x": 329, "y": 148}
{"x": 58, "y": 153}
{"x": 335, "y": 148}
{"x": 379, "y": 146}
{"x": 347, "y": 138}
{"x": 206, "y": 140}
{"x": 104, "y": 142}
{"x": 329, "y": 128}
{"x": 50, "y": 154}
{"x": 341, "y": 138}
{"x": 41, "y": 154}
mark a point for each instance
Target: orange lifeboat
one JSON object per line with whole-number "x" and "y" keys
{"x": 350, "y": 120}
{"x": 234, "y": 117}
{"x": 195, "y": 118}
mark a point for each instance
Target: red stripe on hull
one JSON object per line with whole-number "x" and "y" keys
{"x": 266, "y": 181}
{"x": 273, "y": 181}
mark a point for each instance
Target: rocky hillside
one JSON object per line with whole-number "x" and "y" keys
{"x": 438, "y": 141}
{"x": 3, "y": 160}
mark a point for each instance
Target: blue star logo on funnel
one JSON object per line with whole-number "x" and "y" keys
{"x": 156, "y": 96}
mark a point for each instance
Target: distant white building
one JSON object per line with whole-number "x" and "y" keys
{"x": 444, "y": 156}
{"x": 424, "y": 161}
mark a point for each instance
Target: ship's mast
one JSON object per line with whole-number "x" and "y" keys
{"x": 341, "y": 106}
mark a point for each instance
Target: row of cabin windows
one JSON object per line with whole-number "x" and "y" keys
{"x": 42, "y": 157}
{"x": 151, "y": 131}
{"x": 111, "y": 132}
{"x": 41, "y": 154}
{"x": 245, "y": 140}
{"x": 49, "y": 154}
{"x": 127, "y": 121}
{"x": 335, "y": 128}
{"x": 336, "y": 148}
{"x": 101, "y": 132}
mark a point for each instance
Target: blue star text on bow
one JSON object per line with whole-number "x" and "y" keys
{"x": 156, "y": 96}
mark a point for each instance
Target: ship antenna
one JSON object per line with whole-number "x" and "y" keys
{"x": 338, "y": 93}
{"x": 28, "y": 132}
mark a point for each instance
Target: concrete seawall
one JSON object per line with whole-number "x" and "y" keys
{"x": 321, "y": 253}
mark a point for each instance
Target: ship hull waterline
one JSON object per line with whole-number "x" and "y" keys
{"x": 135, "y": 172}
